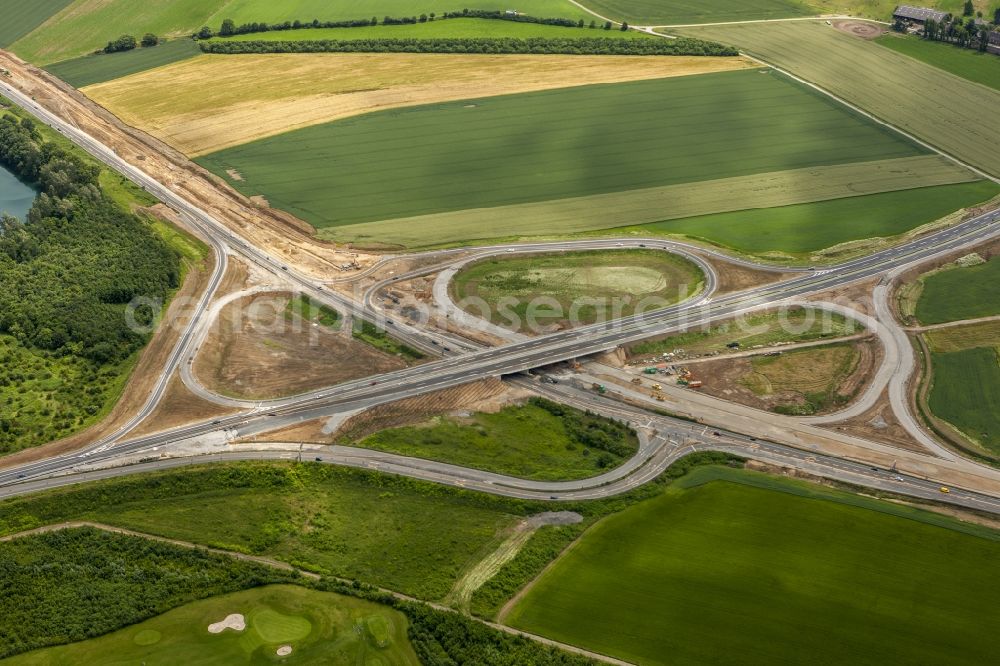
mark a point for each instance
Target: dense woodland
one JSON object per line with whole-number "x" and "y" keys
{"x": 76, "y": 584}
{"x": 67, "y": 275}
{"x": 537, "y": 45}
{"x": 70, "y": 270}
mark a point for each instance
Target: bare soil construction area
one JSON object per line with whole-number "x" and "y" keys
{"x": 179, "y": 407}
{"x": 257, "y": 349}
{"x": 879, "y": 424}
{"x": 813, "y": 380}
{"x": 254, "y": 96}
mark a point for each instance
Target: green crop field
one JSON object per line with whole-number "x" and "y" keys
{"x": 944, "y": 110}
{"x": 527, "y": 441}
{"x": 408, "y": 536}
{"x": 969, "y": 64}
{"x": 550, "y": 145}
{"x": 85, "y": 26}
{"x": 958, "y": 293}
{"x": 577, "y": 287}
{"x": 91, "y": 69}
{"x": 773, "y": 197}
{"x": 810, "y": 227}
{"x": 320, "y": 627}
{"x": 795, "y": 324}
{"x": 269, "y": 11}
{"x": 674, "y": 12}
{"x": 21, "y": 18}
{"x": 756, "y": 569}
{"x": 966, "y": 393}
{"x": 442, "y": 28}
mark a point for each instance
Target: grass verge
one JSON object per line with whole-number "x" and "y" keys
{"x": 539, "y": 440}
{"x": 378, "y": 338}
{"x": 408, "y": 536}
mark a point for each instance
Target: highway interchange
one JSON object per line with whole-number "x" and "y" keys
{"x": 667, "y": 440}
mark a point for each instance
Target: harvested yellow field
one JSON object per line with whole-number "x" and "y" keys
{"x": 211, "y": 102}
{"x": 670, "y": 202}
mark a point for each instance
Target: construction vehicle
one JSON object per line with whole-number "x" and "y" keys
{"x": 657, "y": 387}
{"x": 945, "y": 489}
{"x": 681, "y": 381}
{"x": 600, "y": 388}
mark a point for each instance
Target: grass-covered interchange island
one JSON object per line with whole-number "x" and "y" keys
{"x": 750, "y": 560}
{"x": 579, "y": 287}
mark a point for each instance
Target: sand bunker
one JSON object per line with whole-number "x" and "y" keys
{"x": 236, "y": 622}
{"x": 284, "y": 650}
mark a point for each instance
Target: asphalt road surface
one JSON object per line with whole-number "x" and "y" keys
{"x": 475, "y": 364}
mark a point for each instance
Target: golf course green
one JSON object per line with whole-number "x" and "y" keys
{"x": 319, "y": 627}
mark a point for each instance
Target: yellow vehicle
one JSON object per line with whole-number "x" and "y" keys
{"x": 945, "y": 489}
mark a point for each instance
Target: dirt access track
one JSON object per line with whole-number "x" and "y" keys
{"x": 862, "y": 29}
{"x": 280, "y": 234}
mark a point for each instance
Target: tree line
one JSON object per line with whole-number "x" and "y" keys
{"x": 76, "y": 584}
{"x": 72, "y": 267}
{"x": 229, "y": 27}
{"x": 504, "y": 45}
{"x": 129, "y": 42}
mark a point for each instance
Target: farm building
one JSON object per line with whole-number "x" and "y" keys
{"x": 918, "y": 15}
{"x": 993, "y": 45}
